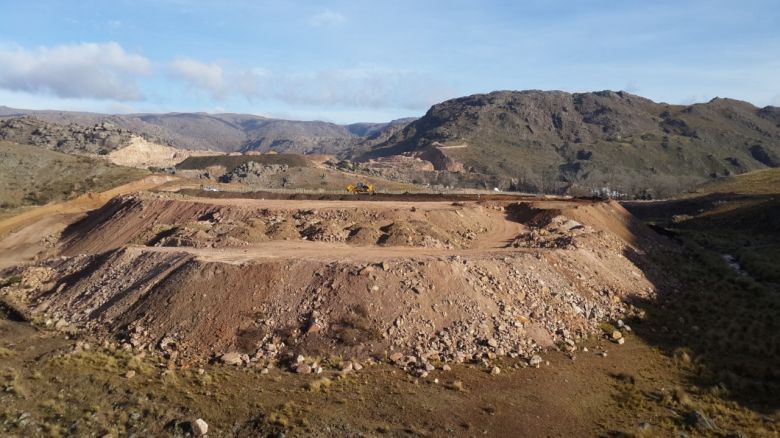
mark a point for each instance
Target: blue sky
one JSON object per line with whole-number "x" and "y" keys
{"x": 349, "y": 61}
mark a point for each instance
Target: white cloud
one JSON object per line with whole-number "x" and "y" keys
{"x": 360, "y": 87}
{"x": 328, "y": 19}
{"x": 197, "y": 74}
{"x": 86, "y": 70}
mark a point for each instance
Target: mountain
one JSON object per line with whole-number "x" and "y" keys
{"x": 549, "y": 141}
{"x": 553, "y": 140}
{"x": 375, "y": 129}
{"x": 225, "y": 132}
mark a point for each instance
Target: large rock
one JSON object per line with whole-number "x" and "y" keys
{"x": 200, "y": 427}
{"x": 232, "y": 358}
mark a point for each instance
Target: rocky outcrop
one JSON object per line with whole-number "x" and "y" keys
{"x": 72, "y": 138}
{"x": 440, "y": 160}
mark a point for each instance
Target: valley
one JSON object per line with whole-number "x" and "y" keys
{"x": 252, "y": 293}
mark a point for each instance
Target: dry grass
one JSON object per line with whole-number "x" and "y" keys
{"x": 759, "y": 182}
{"x": 34, "y": 176}
{"x": 319, "y": 384}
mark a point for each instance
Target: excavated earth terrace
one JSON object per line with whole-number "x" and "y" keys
{"x": 411, "y": 281}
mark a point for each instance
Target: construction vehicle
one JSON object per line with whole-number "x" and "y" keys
{"x": 361, "y": 187}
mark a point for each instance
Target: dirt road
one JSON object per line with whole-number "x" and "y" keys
{"x": 23, "y": 236}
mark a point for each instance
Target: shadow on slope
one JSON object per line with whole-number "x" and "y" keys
{"x": 718, "y": 299}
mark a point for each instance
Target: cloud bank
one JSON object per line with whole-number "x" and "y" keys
{"x": 200, "y": 75}
{"x": 88, "y": 70}
{"x": 360, "y": 87}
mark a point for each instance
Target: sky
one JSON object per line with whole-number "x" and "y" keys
{"x": 371, "y": 61}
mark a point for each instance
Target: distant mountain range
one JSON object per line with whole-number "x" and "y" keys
{"x": 226, "y": 132}
{"x": 548, "y": 141}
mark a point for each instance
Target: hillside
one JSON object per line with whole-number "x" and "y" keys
{"x": 224, "y": 132}
{"x": 759, "y": 182}
{"x": 551, "y": 140}
{"x": 31, "y": 176}
{"x": 532, "y": 141}
{"x": 100, "y": 139}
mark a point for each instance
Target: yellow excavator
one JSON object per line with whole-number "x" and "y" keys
{"x": 360, "y": 188}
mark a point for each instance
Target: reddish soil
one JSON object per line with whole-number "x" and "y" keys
{"x": 434, "y": 280}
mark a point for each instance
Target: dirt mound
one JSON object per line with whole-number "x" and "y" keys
{"x": 414, "y": 233}
{"x": 362, "y": 235}
{"x": 154, "y": 220}
{"x": 567, "y": 218}
{"x": 443, "y": 308}
{"x": 412, "y": 282}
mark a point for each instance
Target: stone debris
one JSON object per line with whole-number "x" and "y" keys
{"x": 200, "y": 427}
{"x": 418, "y": 311}
{"x": 232, "y": 358}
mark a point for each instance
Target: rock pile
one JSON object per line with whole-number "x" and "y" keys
{"x": 560, "y": 232}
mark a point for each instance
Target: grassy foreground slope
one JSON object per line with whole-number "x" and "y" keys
{"x": 759, "y": 182}
{"x": 34, "y": 176}
{"x": 743, "y": 223}
{"x": 722, "y": 319}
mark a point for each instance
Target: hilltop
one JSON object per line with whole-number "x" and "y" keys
{"x": 553, "y": 140}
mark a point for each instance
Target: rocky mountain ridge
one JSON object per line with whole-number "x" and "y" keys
{"x": 554, "y": 140}
{"x": 222, "y": 132}
{"x": 535, "y": 141}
